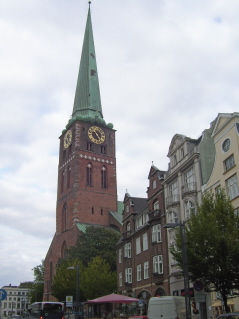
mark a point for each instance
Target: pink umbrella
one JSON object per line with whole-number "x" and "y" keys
{"x": 113, "y": 298}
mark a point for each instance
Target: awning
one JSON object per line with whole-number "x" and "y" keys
{"x": 113, "y": 298}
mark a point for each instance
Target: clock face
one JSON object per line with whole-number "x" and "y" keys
{"x": 96, "y": 134}
{"x": 67, "y": 138}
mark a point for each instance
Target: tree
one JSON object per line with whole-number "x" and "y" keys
{"x": 95, "y": 280}
{"x": 212, "y": 236}
{"x": 96, "y": 241}
{"x": 64, "y": 282}
{"x": 98, "y": 279}
{"x": 37, "y": 286}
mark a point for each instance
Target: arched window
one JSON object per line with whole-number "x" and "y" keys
{"x": 63, "y": 250}
{"x": 64, "y": 218}
{"x": 103, "y": 177}
{"x": 69, "y": 177}
{"x": 189, "y": 209}
{"x": 89, "y": 175}
{"x": 62, "y": 180}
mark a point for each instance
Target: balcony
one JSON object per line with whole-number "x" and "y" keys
{"x": 126, "y": 235}
{"x": 155, "y": 214}
{"x": 172, "y": 200}
{"x": 157, "y": 278}
{"x": 189, "y": 188}
{"x": 128, "y": 286}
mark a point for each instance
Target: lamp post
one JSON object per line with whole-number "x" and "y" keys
{"x": 77, "y": 267}
{"x": 181, "y": 226}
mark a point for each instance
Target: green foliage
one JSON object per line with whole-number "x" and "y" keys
{"x": 96, "y": 241}
{"x": 212, "y": 244}
{"x": 37, "y": 286}
{"x": 64, "y": 283}
{"x": 95, "y": 280}
{"x": 95, "y": 254}
{"x": 98, "y": 279}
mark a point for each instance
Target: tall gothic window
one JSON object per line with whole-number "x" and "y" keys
{"x": 103, "y": 177}
{"x": 64, "y": 218}
{"x": 63, "y": 250}
{"x": 89, "y": 175}
{"x": 68, "y": 177}
{"x": 62, "y": 180}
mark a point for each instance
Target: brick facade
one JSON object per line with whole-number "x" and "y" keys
{"x": 144, "y": 235}
{"x": 80, "y": 201}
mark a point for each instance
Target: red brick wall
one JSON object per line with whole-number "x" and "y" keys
{"x": 85, "y": 204}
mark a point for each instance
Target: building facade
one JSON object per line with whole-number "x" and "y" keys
{"x": 182, "y": 190}
{"x": 87, "y": 191}
{"x": 142, "y": 252}
{"x": 225, "y": 175}
{"x": 16, "y": 303}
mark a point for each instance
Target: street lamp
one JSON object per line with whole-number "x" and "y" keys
{"x": 77, "y": 267}
{"x": 181, "y": 226}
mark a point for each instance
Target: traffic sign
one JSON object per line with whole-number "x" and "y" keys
{"x": 69, "y": 301}
{"x": 3, "y": 294}
{"x": 198, "y": 285}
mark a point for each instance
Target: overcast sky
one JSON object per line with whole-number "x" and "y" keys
{"x": 165, "y": 67}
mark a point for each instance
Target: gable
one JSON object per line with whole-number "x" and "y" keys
{"x": 222, "y": 120}
{"x": 177, "y": 140}
{"x": 152, "y": 171}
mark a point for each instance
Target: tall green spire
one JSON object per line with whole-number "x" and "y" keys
{"x": 87, "y": 104}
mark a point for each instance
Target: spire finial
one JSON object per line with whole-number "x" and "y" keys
{"x": 89, "y": 3}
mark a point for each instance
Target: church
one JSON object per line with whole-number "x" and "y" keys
{"x": 87, "y": 188}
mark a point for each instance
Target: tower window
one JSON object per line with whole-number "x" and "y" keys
{"x": 70, "y": 149}
{"x": 89, "y": 146}
{"x": 62, "y": 180}
{"x": 89, "y": 175}
{"x": 103, "y": 177}
{"x": 92, "y": 210}
{"x": 68, "y": 177}
{"x": 64, "y": 154}
{"x": 103, "y": 149}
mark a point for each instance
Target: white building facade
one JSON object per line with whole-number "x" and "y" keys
{"x": 16, "y": 303}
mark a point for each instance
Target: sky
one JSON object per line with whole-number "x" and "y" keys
{"x": 165, "y": 67}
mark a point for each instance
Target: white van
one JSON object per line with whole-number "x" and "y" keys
{"x": 167, "y": 307}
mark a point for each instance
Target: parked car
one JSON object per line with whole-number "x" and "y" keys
{"x": 229, "y": 315}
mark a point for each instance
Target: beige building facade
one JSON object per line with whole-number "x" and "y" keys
{"x": 225, "y": 175}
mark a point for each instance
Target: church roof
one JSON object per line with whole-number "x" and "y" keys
{"x": 118, "y": 215}
{"x": 87, "y": 103}
{"x": 82, "y": 226}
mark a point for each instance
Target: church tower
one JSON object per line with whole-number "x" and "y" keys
{"x": 87, "y": 191}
